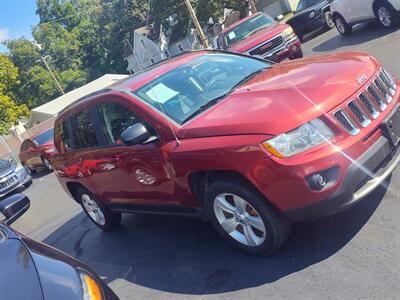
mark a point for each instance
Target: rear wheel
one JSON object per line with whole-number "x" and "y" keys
{"x": 341, "y": 25}
{"x": 245, "y": 219}
{"x": 386, "y": 15}
{"x": 97, "y": 213}
{"x": 28, "y": 170}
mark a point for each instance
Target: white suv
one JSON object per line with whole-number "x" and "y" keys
{"x": 347, "y": 13}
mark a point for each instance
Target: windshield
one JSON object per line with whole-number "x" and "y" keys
{"x": 247, "y": 28}
{"x": 44, "y": 137}
{"x": 185, "y": 90}
{"x": 303, "y": 4}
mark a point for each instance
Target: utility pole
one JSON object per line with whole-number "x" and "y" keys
{"x": 253, "y": 7}
{"x": 54, "y": 77}
{"x": 196, "y": 24}
{"x": 48, "y": 67}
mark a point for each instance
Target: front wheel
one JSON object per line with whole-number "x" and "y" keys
{"x": 245, "y": 219}
{"x": 47, "y": 164}
{"x": 329, "y": 23}
{"x": 341, "y": 25}
{"x": 97, "y": 213}
{"x": 386, "y": 15}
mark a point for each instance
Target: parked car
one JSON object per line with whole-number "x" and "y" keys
{"x": 12, "y": 177}
{"x": 35, "y": 271}
{"x": 37, "y": 152}
{"x": 247, "y": 144}
{"x": 348, "y": 13}
{"x": 311, "y": 15}
{"x": 259, "y": 35}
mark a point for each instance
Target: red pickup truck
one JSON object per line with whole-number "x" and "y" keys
{"x": 245, "y": 143}
{"x": 261, "y": 36}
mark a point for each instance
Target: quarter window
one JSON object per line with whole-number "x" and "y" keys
{"x": 114, "y": 119}
{"x": 85, "y": 135}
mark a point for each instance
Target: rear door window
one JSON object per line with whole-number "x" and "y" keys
{"x": 84, "y": 130}
{"x": 114, "y": 119}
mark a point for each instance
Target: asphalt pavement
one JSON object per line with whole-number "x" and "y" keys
{"x": 352, "y": 255}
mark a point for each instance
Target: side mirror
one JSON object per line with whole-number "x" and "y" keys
{"x": 13, "y": 207}
{"x": 136, "y": 134}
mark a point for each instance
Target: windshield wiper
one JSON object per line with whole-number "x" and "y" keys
{"x": 219, "y": 98}
{"x": 205, "y": 106}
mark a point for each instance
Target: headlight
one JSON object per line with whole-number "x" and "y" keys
{"x": 288, "y": 33}
{"x": 312, "y": 14}
{"x": 300, "y": 139}
{"x": 91, "y": 289}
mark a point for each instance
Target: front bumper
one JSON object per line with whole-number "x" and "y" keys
{"x": 289, "y": 49}
{"x": 23, "y": 178}
{"x": 363, "y": 176}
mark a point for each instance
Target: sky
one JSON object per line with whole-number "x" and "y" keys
{"x": 16, "y": 19}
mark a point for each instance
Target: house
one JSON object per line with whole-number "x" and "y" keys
{"x": 141, "y": 51}
{"x": 275, "y": 8}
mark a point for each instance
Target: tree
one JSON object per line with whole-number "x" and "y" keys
{"x": 10, "y": 111}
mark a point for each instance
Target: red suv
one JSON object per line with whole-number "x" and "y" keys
{"x": 259, "y": 35}
{"x": 37, "y": 152}
{"x": 242, "y": 142}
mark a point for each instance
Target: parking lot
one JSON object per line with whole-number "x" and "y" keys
{"x": 355, "y": 254}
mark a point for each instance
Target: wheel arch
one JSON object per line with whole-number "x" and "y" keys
{"x": 376, "y": 2}
{"x": 199, "y": 182}
{"x": 73, "y": 188}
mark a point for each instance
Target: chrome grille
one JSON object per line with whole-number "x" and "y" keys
{"x": 366, "y": 102}
{"x": 383, "y": 90}
{"x": 359, "y": 113}
{"x": 344, "y": 119}
{"x": 368, "y": 105}
{"x": 10, "y": 181}
{"x": 267, "y": 46}
{"x": 377, "y": 98}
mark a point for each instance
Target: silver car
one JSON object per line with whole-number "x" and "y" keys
{"x": 12, "y": 176}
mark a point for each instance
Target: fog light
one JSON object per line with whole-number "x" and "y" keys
{"x": 323, "y": 179}
{"x": 319, "y": 180}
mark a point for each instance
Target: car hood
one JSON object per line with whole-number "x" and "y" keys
{"x": 306, "y": 11}
{"x": 7, "y": 169}
{"x": 258, "y": 38}
{"x": 285, "y": 96}
{"x": 18, "y": 276}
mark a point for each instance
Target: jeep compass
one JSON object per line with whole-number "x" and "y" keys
{"x": 246, "y": 144}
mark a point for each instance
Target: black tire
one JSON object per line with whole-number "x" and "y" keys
{"x": 47, "y": 164}
{"x": 341, "y": 25}
{"x": 277, "y": 227}
{"x": 29, "y": 170}
{"x": 392, "y": 18}
{"x": 329, "y": 23}
{"x": 111, "y": 219}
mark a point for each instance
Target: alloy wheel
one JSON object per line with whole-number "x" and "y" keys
{"x": 329, "y": 20}
{"x": 384, "y": 16}
{"x": 340, "y": 26}
{"x": 93, "y": 210}
{"x": 239, "y": 219}
{"x": 47, "y": 164}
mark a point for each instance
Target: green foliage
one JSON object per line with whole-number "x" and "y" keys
{"x": 82, "y": 40}
{"x": 10, "y": 111}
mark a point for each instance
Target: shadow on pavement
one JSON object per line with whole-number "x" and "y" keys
{"x": 361, "y": 33}
{"x": 40, "y": 173}
{"x": 187, "y": 256}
